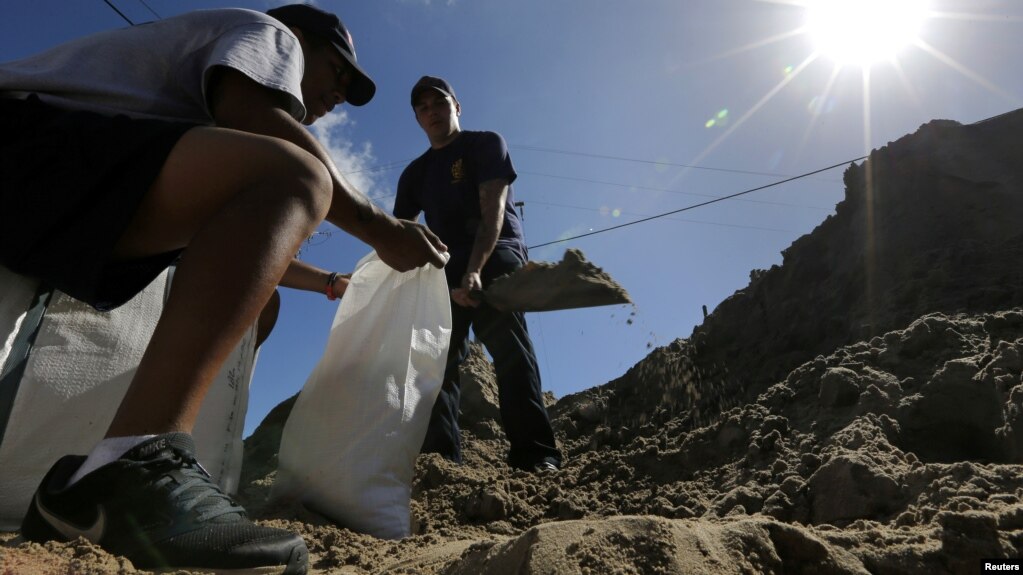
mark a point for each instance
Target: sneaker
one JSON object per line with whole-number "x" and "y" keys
{"x": 546, "y": 465}
{"x": 159, "y": 508}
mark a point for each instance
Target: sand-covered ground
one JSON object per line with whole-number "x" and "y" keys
{"x": 856, "y": 409}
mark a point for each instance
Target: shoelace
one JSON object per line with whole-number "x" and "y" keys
{"x": 196, "y": 488}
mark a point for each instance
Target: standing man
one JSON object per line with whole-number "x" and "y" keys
{"x": 124, "y": 149}
{"x": 462, "y": 184}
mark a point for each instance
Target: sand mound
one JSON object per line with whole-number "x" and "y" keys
{"x": 857, "y": 409}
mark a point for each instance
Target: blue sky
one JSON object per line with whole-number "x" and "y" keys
{"x": 616, "y": 111}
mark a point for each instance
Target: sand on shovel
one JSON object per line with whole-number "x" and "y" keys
{"x": 571, "y": 283}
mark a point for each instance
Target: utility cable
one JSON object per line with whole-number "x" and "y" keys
{"x": 588, "y": 209}
{"x": 632, "y": 186}
{"x": 150, "y": 8}
{"x": 386, "y": 167}
{"x": 694, "y": 206}
{"x": 654, "y": 162}
{"x": 119, "y": 13}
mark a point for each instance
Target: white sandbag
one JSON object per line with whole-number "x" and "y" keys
{"x": 77, "y": 371}
{"x": 349, "y": 447}
{"x": 16, "y": 293}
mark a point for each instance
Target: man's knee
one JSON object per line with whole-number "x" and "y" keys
{"x": 208, "y": 168}
{"x": 317, "y": 185}
{"x": 266, "y": 162}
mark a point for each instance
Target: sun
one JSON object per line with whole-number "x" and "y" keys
{"x": 863, "y": 32}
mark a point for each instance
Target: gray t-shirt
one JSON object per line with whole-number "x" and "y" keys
{"x": 161, "y": 69}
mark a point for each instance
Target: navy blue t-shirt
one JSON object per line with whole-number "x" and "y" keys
{"x": 443, "y": 184}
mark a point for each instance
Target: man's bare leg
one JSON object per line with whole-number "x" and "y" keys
{"x": 242, "y": 204}
{"x": 268, "y": 318}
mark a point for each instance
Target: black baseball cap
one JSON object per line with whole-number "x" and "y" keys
{"x": 312, "y": 20}
{"x": 432, "y": 83}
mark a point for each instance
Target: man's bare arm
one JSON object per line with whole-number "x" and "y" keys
{"x": 493, "y": 195}
{"x": 305, "y": 276}
{"x": 240, "y": 103}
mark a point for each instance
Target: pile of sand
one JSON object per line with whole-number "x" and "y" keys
{"x": 571, "y": 283}
{"x": 857, "y": 409}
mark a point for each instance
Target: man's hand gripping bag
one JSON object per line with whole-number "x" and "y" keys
{"x": 349, "y": 447}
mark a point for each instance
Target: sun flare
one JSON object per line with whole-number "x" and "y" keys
{"x": 862, "y": 32}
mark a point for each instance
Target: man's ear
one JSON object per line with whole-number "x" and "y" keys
{"x": 458, "y": 108}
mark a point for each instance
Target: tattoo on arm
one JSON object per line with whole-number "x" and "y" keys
{"x": 492, "y": 196}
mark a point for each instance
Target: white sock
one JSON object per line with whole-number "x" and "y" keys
{"x": 106, "y": 451}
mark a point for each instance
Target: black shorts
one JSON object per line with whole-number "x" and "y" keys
{"x": 70, "y": 183}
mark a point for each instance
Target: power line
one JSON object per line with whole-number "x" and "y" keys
{"x": 396, "y": 163}
{"x": 654, "y": 162}
{"x": 150, "y": 8}
{"x": 119, "y": 13}
{"x": 381, "y": 197}
{"x": 694, "y": 206}
{"x": 715, "y": 198}
{"x": 385, "y": 167}
{"x": 664, "y": 190}
{"x": 588, "y": 209}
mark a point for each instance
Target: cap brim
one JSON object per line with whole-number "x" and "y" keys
{"x": 362, "y": 88}
{"x": 420, "y": 89}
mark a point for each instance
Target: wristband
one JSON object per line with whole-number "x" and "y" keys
{"x": 330, "y": 286}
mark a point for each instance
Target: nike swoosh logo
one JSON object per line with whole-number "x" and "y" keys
{"x": 70, "y": 531}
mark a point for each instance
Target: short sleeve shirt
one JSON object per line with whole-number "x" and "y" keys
{"x": 444, "y": 183}
{"x": 160, "y": 69}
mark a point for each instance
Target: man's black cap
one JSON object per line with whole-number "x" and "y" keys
{"x": 432, "y": 83}
{"x": 312, "y": 20}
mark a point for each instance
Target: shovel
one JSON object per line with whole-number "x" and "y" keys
{"x": 571, "y": 283}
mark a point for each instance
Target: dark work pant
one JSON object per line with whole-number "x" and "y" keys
{"x": 523, "y": 415}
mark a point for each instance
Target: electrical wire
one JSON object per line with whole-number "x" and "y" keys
{"x": 631, "y": 186}
{"x": 588, "y": 209}
{"x": 385, "y": 167}
{"x": 654, "y": 162}
{"x": 119, "y": 13}
{"x": 701, "y": 204}
{"x": 150, "y": 8}
{"x": 388, "y": 166}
